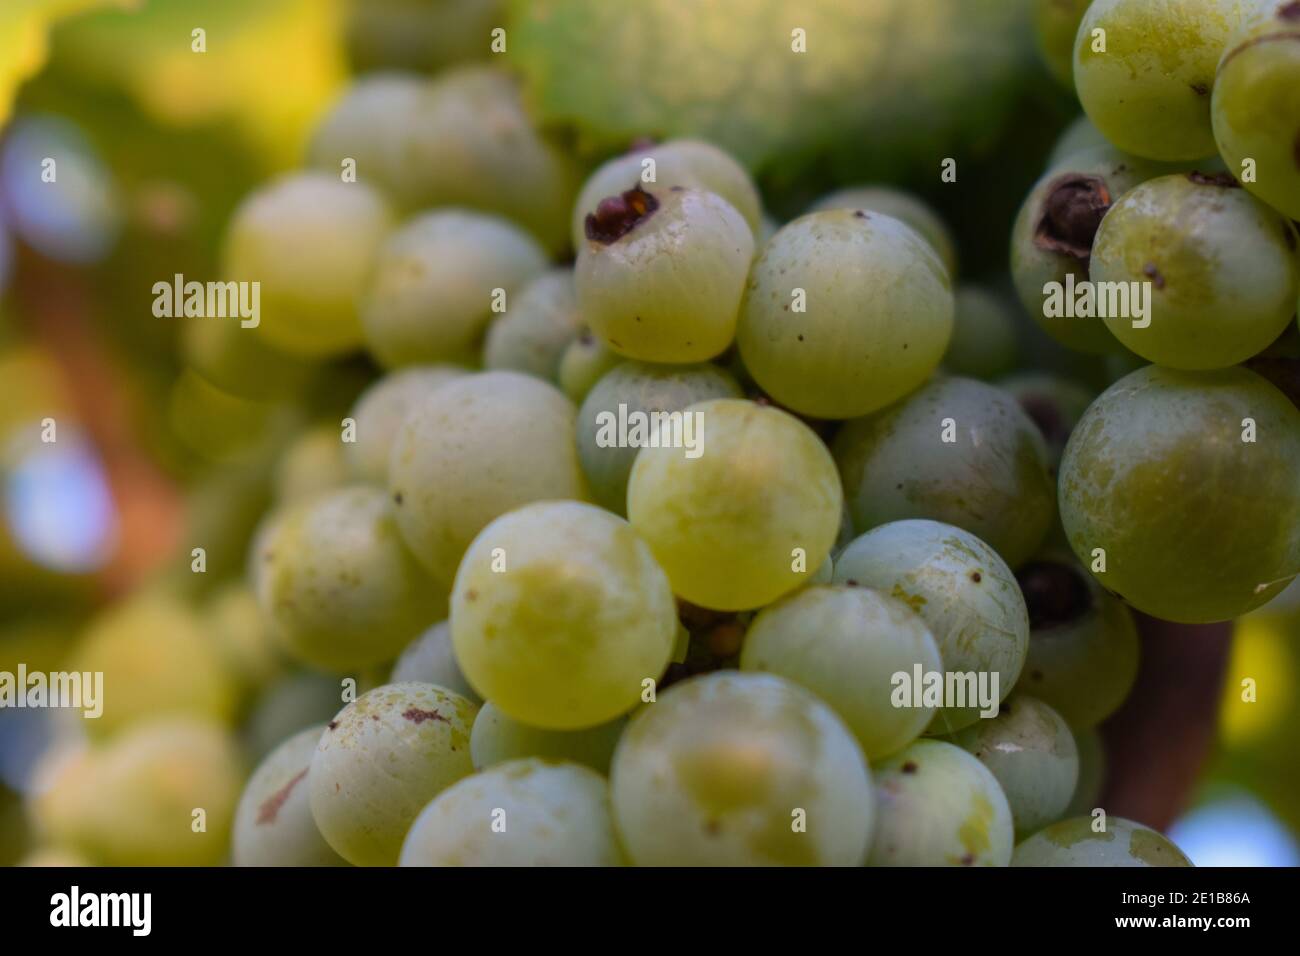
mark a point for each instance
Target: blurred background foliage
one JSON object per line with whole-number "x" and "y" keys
{"x": 158, "y": 144}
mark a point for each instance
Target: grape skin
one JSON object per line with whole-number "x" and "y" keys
{"x": 877, "y": 313}
{"x": 273, "y": 823}
{"x": 1030, "y": 750}
{"x": 1221, "y": 267}
{"x": 714, "y": 772}
{"x": 475, "y": 449}
{"x": 983, "y": 343}
{"x": 845, "y": 644}
{"x": 692, "y": 164}
{"x": 380, "y": 411}
{"x": 545, "y": 813}
{"x": 1149, "y": 92}
{"x": 964, "y": 592}
{"x": 899, "y": 205}
{"x": 540, "y": 322}
{"x": 938, "y": 806}
{"x": 497, "y": 738}
{"x": 726, "y": 525}
{"x": 339, "y": 585}
{"x": 1196, "y": 525}
{"x": 643, "y": 388}
{"x": 308, "y": 239}
{"x": 380, "y": 761}
{"x": 993, "y": 481}
{"x": 1074, "y": 843}
{"x": 429, "y": 659}
{"x": 559, "y": 613}
{"x": 586, "y": 360}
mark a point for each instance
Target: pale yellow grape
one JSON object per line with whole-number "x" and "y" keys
{"x": 669, "y": 288}
{"x": 308, "y": 239}
{"x": 693, "y": 164}
{"x": 477, "y": 448}
{"x": 845, "y": 311}
{"x": 522, "y": 813}
{"x": 380, "y": 761}
{"x": 157, "y": 658}
{"x": 313, "y": 463}
{"x": 243, "y": 637}
{"x": 273, "y": 824}
{"x": 845, "y": 644}
{"x": 1075, "y": 842}
{"x": 382, "y": 408}
{"x": 560, "y": 613}
{"x": 749, "y": 519}
{"x": 435, "y": 285}
{"x": 132, "y": 802}
{"x": 497, "y": 738}
{"x": 540, "y": 321}
{"x": 584, "y": 362}
{"x": 741, "y": 770}
{"x": 339, "y": 585}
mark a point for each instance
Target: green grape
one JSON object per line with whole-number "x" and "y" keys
{"x": 497, "y": 738}
{"x": 633, "y": 392}
{"x": 559, "y": 613}
{"x": 1073, "y": 842}
{"x": 1220, "y": 268}
{"x": 1052, "y": 240}
{"x": 1055, "y": 404}
{"x": 845, "y": 312}
{"x": 1030, "y": 750}
{"x": 983, "y": 343}
{"x": 243, "y": 637}
{"x": 308, "y": 239}
{"x": 475, "y": 449}
{"x": 735, "y": 769}
{"x": 216, "y": 426}
{"x": 902, "y": 206}
{"x": 239, "y": 361}
{"x": 537, "y": 328}
{"x": 273, "y": 823}
{"x": 689, "y": 163}
{"x": 1092, "y": 773}
{"x": 157, "y": 658}
{"x": 1256, "y": 103}
{"x": 292, "y": 703}
{"x": 1083, "y": 642}
{"x": 845, "y": 644}
{"x": 1079, "y": 137}
{"x": 132, "y": 801}
{"x": 964, "y": 592}
{"x": 1146, "y": 84}
{"x": 382, "y": 408}
{"x": 473, "y": 144}
{"x": 429, "y": 659}
{"x": 749, "y": 517}
{"x": 370, "y": 126}
{"x": 419, "y": 34}
{"x": 1056, "y": 23}
{"x": 435, "y": 285}
{"x": 1191, "y": 523}
{"x": 338, "y": 584}
{"x": 380, "y": 761}
{"x": 936, "y": 805}
{"x": 314, "y": 463}
{"x": 522, "y": 813}
{"x": 957, "y": 451}
{"x": 660, "y": 274}
{"x": 583, "y": 364}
